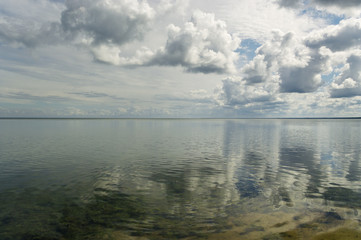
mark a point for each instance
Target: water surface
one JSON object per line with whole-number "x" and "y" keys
{"x": 178, "y": 179}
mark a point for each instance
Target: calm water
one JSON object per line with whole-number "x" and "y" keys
{"x": 174, "y": 179}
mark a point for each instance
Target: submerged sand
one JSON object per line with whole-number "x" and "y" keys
{"x": 273, "y": 226}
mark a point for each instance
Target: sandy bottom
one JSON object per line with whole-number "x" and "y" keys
{"x": 274, "y": 226}
{"x": 328, "y": 225}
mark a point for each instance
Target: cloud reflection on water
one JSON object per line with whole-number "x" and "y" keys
{"x": 198, "y": 173}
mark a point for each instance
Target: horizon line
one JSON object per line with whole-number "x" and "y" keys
{"x": 165, "y": 118}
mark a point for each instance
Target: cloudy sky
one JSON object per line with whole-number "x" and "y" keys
{"x": 180, "y": 58}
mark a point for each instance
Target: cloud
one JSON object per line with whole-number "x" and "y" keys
{"x": 343, "y": 41}
{"x": 35, "y": 98}
{"x": 104, "y": 27}
{"x": 290, "y": 4}
{"x": 203, "y": 45}
{"x": 89, "y": 22}
{"x": 339, "y": 37}
{"x": 96, "y": 95}
{"x": 40, "y": 97}
{"x": 336, "y": 3}
{"x": 105, "y": 53}
{"x": 236, "y": 97}
{"x": 256, "y": 71}
{"x": 348, "y": 82}
{"x": 114, "y": 22}
{"x": 303, "y": 79}
{"x": 199, "y": 96}
{"x": 339, "y": 3}
{"x": 30, "y": 34}
{"x": 112, "y": 54}
{"x": 255, "y": 19}
{"x": 286, "y": 57}
{"x": 339, "y": 7}
{"x": 33, "y": 10}
{"x": 236, "y": 92}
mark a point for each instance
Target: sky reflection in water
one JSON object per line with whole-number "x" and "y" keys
{"x": 171, "y": 178}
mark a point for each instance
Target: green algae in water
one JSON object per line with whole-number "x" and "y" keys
{"x": 30, "y": 214}
{"x": 52, "y": 215}
{"x": 315, "y": 229}
{"x": 108, "y": 212}
{"x": 42, "y": 214}
{"x": 343, "y": 197}
{"x": 35, "y": 214}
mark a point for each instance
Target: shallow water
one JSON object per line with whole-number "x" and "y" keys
{"x": 174, "y": 179}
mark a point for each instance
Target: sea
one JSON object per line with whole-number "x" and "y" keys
{"x": 158, "y": 179}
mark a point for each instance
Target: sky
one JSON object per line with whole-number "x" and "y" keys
{"x": 180, "y": 58}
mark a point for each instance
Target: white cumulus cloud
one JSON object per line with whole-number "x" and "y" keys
{"x": 348, "y": 82}
{"x": 202, "y": 45}
{"x": 340, "y": 37}
{"x": 286, "y": 57}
